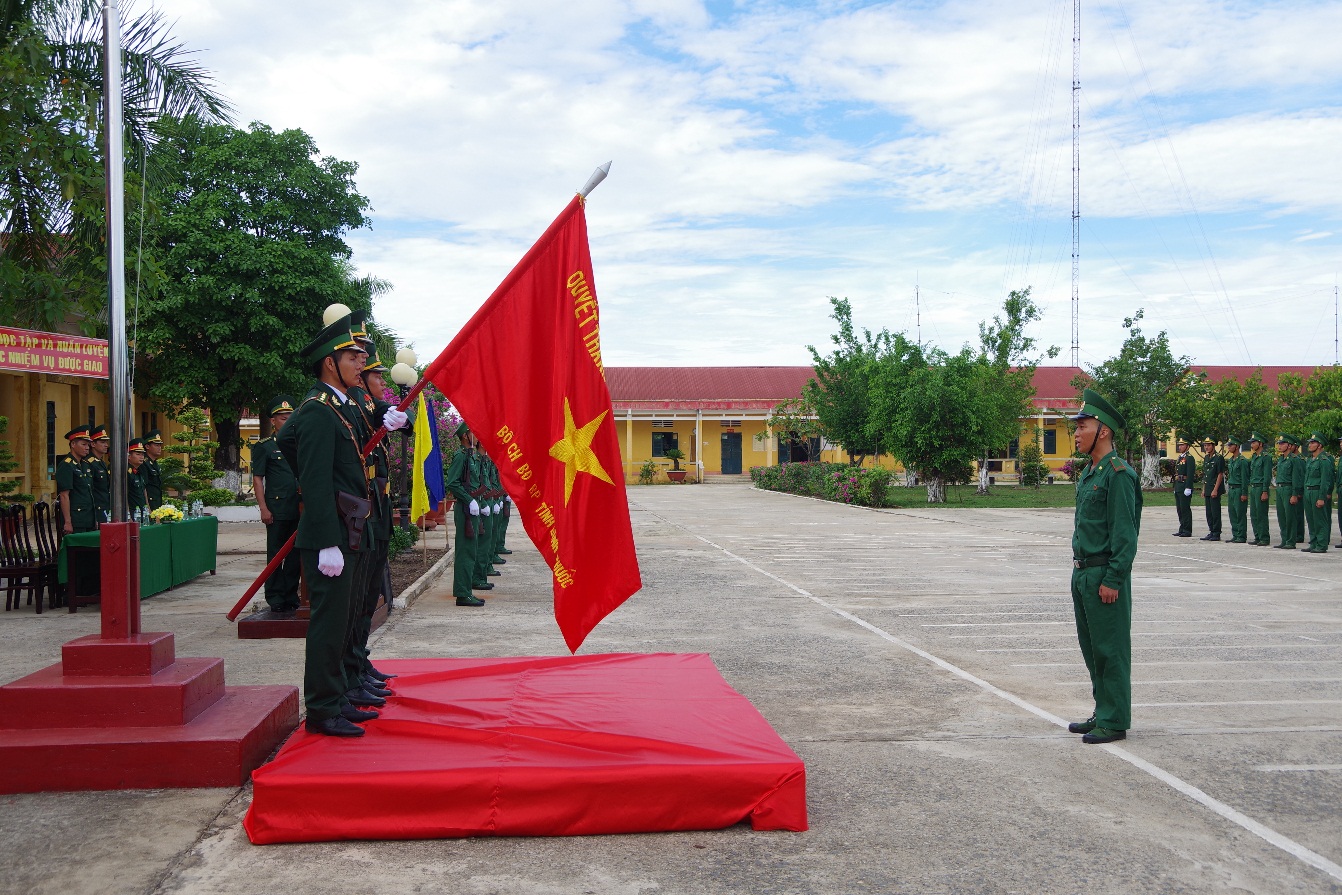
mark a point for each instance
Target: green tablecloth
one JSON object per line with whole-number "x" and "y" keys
{"x": 170, "y": 554}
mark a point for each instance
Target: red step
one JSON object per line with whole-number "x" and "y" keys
{"x": 173, "y": 696}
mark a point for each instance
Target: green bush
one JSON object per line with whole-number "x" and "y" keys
{"x": 647, "y": 472}
{"x": 402, "y": 539}
{"x": 212, "y": 497}
{"x": 1033, "y": 470}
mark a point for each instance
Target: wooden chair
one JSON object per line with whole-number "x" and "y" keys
{"x": 44, "y": 534}
{"x": 20, "y": 565}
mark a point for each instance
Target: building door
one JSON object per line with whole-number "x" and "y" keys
{"x": 731, "y": 453}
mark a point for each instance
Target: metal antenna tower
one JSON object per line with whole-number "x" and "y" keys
{"x": 1076, "y": 183}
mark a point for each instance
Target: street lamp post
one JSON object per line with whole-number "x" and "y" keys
{"x": 404, "y": 375}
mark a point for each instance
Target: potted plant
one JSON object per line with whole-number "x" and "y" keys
{"x": 675, "y": 473}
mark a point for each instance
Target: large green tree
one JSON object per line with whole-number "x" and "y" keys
{"x": 840, "y": 393}
{"x": 52, "y": 202}
{"x": 932, "y": 417}
{"x": 250, "y": 234}
{"x": 1139, "y": 382}
{"x": 1225, "y": 409}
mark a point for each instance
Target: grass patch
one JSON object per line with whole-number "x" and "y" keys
{"x": 1061, "y": 495}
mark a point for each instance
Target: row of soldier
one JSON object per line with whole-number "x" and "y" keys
{"x": 1305, "y": 475}
{"x": 480, "y": 511}
{"x": 84, "y": 477}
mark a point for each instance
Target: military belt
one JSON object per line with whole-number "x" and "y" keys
{"x": 1091, "y": 562}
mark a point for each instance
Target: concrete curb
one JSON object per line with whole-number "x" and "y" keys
{"x": 406, "y": 598}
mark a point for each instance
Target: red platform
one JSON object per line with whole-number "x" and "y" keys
{"x": 123, "y": 714}
{"x": 552, "y": 746}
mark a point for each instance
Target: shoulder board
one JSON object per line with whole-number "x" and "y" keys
{"x": 69, "y": 459}
{"x": 1120, "y": 466}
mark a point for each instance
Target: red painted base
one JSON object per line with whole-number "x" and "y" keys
{"x": 267, "y": 625}
{"x": 123, "y": 714}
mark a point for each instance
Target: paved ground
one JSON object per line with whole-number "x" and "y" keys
{"x": 919, "y": 661}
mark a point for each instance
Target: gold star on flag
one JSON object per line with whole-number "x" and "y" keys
{"x": 574, "y": 450}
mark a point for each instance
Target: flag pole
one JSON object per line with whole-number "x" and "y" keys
{"x": 598, "y": 175}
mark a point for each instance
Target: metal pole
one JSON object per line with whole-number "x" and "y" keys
{"x": 1076, "y": 183}
{"x": 119, "y": 407}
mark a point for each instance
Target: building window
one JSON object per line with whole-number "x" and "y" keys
{"x": 51, "y": 439}
{"x": 1050, "y": 441}
{"x": 662, "y": 442}
{"x": 93, "y": 417}
{"x": 1013, "y": 448}
{"x": 730, "y": 424}
{"x": 663, "y": 424}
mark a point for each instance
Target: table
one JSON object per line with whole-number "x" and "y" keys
{"x": 171, "y": 553}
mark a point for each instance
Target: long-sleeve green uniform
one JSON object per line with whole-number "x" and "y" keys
{"x": 459, "y": 484}
{"x": 1290, "y": 483}
{"x": 1213, "y": 486}
{"x": 1260, "y": 479}
{"x": 1237, "y": 493}
{"x": 1319, "y": 488}
{"x": 1185, "y": 469}
{"x": 281, "y": 496}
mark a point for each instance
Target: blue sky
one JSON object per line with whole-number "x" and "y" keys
{"x": 770, "y": 154}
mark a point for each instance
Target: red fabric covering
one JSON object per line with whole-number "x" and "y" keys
{"x": 549, "y": 746}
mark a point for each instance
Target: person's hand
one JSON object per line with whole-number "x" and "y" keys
{"x": 475, "y": 508}
{"x": 69, "y": 527}
{"x": 1319, "y": 504}
{"x": 1188, "y": 492}
{"x": 485, "y": 509}
{"x": 1294, "y": 500}
{"x": 1108, "y": 594}
{"x": 1264, "y": 498}
{"x": 1243, "y": 498}
{"x": 267, "y": 516}
{"x": 498, "y": 507}
{"x": 393, "y": 419}
{"x": 331, "y": 562}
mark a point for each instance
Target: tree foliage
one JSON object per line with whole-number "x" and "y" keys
{"x": 9, "y": 488}
{"x": 840, "y": 393}
{"x": 190, "y": 466}
{"x": 1223, "y": 409}
{"x": 52, "y": 216}
{"x": 250, "y": 234}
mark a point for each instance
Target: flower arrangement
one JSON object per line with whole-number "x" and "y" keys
{"x": 166, "y": 513}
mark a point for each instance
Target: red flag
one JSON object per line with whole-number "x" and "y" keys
{"x": 526, "y": 374}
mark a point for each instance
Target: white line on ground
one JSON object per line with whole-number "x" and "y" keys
{"x": 1286, "y": 844}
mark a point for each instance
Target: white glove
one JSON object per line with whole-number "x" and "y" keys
{"x": 393, "y": 419}
{"x": 475, "y": 508}
{"x": 485, "y": 509}
{"x": 1188, "y": 492}
{"x": 498, "y": 507}
{"x": 331, "y": 562}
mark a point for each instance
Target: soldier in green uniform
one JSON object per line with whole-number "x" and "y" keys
{"x": 1104, "y": 543}
{"x": 1213, "y": 486}
{"x": 1298, "y": 506}
{"x": 1260, "y": 480}
{"x": 1290, "y": 491}
{"x": 322, "y": 448}
{"x": 74, "y": 483}
{"x": 276, "y": 492}
{"x": 1237, "y": 485}
{"x": 1318, "y": 494}
{"x": 465, "y": 515}
{"x": 153, "y": 478}
{"x": 1337, "y": 483}
{"x": 484, "y": 494}
{"x": 135, "y": 460}
{"x": 101, "y": 445}
{"x": 1185, "y": 470}
{"x": 502, "y": 515}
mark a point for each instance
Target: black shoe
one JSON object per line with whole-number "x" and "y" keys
{"x": 494, "y": 573}
{"x": 1337, "y": 545}
{"x": 499, "y": 560}
{"x": 374, "y": 686}
{"x": 1183, "y": 534}
{"x": 361, "y": 697}
{"x": 1085, "y": 726}
{"x": 507, "y": 552}
{"x": 1103, "y": 735}
{"x": 356, "y": 716}
{"x": 1238, "y": 541}
{"x": 488, "y": 585}
{"x": 1215, "y": 537}
{"x": 1283, "y": 546}
{"x": 333, "y": 727}
{"x": 470, "y": 601}
{"x": 1206, "y": 537}
{"x": 377, "y": 675}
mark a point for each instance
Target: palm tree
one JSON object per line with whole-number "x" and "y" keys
{"x": 51, "y": 167}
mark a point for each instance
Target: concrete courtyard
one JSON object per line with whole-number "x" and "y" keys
{"x": 921, "y": 662}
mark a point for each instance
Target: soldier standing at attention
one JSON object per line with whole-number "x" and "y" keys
{"x": 1104, "y": 543}
{"x": 1213, "y": 486}
{"x": 276, "y": 492}
{"x": 322, "y": 449}
{"x": 1287, "y": 498}
{"x": 1260, "y": 479}
{"x": 1185, "y": 469}
{"x": 1237, "y": 483}
{"x": 135, "y": 460}
{"x": 465, "y": 515}
{"x": 1337, "y": 483}
{"x": 153, "y": 479}
{"x": 74, "y": 484}
{"x": 101, "y": 444}
{"x": 1318, "y": 494}
{"x": 1298, "y": 505}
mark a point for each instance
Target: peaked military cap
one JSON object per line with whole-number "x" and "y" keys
{"x": 1286, "y": 439}
{"x": 1209, "y": 440}
{"x": 78, "y": 432}
{"x": 1317, "y": 438}
{"x": 280, "y": 404}
{"x": 463, "y": 429}
{"x": 1258, "y": 437}
{"x": 336, "y": 337}
{"x": 1181, "y": 439}
{"x": 99, "y": 433}
{"x": 374, "y": 364}
{"x": 358, "y": 327}
{"x": 136, "y": 444}
{"x": 1093, "y": 404}
{"x": 1235, "y": 440}
{"x": 153, "y": 436}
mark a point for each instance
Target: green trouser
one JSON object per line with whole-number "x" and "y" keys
{"x": 463, "y": 558}
{"x": 501, "y": 528}
{"x": 1184, "y": 506}
{"x": 1104, "y": 631}
{"x": 323, "y": 672}
{"x": 1239, "y": 512}
{"x": 1285, "y": 520}
{"x": 1258, "y": 514}
{"x": 1213, "y": 512}
{"x": 1320, "y": 519}
{"x": 362, "y": 610}
{"x": 1298, "y": 520}
{"x": 282, "y": 586}
{"x": 350, "y": 665}
{"x": 484, "y": 547}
